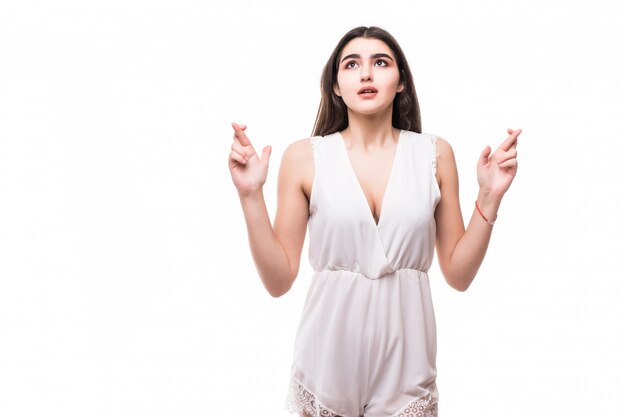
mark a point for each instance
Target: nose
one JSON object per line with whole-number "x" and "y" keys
{"x": 366, "y": 75}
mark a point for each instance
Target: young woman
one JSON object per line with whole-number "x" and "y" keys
{"x": 378, "y": 196}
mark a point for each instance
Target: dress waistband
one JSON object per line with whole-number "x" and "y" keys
{"x": 347, "y": 269}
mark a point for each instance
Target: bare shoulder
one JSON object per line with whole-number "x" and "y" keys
{"x": 297, "y": 163}
{"x": 446, "y": 165}
{"x": 444, "y": 149}
{"x": 299, "y": 151}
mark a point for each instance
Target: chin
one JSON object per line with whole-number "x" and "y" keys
{"x": 368, "y": 110}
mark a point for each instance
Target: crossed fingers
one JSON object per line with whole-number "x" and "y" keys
{"x": 240, "y": 143}
{"x": 240, "y": 134}
{"x": 511, "y": 141}
{"x": 506, "y": 154}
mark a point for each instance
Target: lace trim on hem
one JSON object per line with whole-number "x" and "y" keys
{"x": 313, "y": 141}
{"x": 425, "y": 406}
{"x": 301, "y": 399}
{"x": 314, "y": 149}
{"x": 434, "y": 155}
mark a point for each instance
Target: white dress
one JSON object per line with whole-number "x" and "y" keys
{"x": 366, "y": 344}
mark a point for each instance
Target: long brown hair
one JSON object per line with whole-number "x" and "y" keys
{"x": 332, "y": 115}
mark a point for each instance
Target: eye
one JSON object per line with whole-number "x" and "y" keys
{"x": 383, "y": 62}
{"x": 348, "y": 65}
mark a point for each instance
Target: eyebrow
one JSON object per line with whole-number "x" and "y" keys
{"x": 379, "y": 55}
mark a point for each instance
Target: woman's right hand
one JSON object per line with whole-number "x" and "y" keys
{"x": 248, "y": 171}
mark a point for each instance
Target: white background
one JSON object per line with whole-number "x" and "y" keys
{"x": 127, "y": 287}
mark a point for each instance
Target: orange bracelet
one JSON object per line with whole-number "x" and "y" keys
{"x": 490, "y": 223}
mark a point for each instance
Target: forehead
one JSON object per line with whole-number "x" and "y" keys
{"x": 366, "y": 47}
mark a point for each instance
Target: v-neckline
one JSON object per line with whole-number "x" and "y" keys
{"x": 358, "y": 184}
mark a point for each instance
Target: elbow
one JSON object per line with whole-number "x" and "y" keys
{"x": 279, "y": 290}
{"x": 459, "y": 283}
{"x": 277, "y": 293}
{"x": 457, "y": 286}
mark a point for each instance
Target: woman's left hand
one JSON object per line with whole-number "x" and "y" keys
{"x": 496, "y": 171}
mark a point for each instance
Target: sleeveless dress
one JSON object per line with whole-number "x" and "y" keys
{"x": 366, "y": 343}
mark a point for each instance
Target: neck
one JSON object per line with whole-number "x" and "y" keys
{"x": 365, "y": 131}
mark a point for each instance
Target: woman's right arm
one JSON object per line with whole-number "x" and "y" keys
{"x": 276, "y": 250}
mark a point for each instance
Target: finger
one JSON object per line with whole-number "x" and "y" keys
{"x": 243, "y": 155}
{"x": 484, "y": 156}
{"x": 237, "y": 157}
{"x": 236, "y": 146}
{"x": 236, "y": 139}
{"x": 505, "y": 156}
{"x": 265, "y": 156}
{"x": 243, "y": 138}
{"x": 511, "y": 163}
{"x": 506, "y": 145}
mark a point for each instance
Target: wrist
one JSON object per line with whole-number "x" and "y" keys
{"x": 487, "y": 206}
{"x": 255, "y": 194}
{"x": 488, "y": 198}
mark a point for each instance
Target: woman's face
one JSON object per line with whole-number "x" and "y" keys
{"x": 367, "y": 63}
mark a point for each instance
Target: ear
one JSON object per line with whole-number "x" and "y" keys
{"x": 401, "y": 83}
{"x": 336, "y": 90}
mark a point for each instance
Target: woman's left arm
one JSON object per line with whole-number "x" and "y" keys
{"x": 460, "y": 251}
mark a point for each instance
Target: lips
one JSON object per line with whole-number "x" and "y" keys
{"x": 368, "y": 90}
